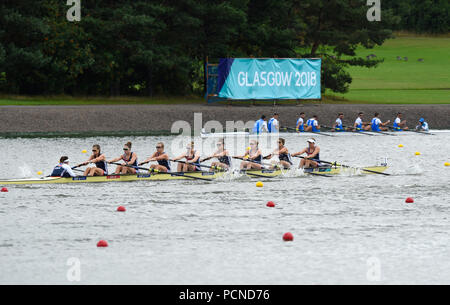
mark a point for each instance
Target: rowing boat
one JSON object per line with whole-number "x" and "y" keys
{"x": 264, "y": 173}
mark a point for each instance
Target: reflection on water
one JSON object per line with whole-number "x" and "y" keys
{"x": 221, "y": 232}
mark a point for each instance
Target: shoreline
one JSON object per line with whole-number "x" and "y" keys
{"x": 128, "y": 120}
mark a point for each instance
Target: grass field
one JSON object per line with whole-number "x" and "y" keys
{"x": 392, "y": 82}
{"x": 400, "y": 81}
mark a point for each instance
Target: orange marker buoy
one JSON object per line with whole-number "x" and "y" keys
{"x": 288, "y": 237}
{"x": 271, "y": 204}
{"x": 102, "y": 244}
{"x": 121, "y": 209}
{"x": 409, "y": 200}
{"x": 4, "y": 190}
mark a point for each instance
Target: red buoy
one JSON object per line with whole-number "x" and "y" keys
{"x": 102, "y": 244}
{"x": 288, "y": 237}
{"x": 4, "y": 190}
{"x": 271, "y": 204}
{"x": 121, "y": 209}
{"x": 409, "y": 200}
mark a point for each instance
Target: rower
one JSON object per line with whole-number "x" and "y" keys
{"x": 312, "y": 125}
{"x": 377, "y": 125}
{"x": 274, "y": 126}
{"x": 63, "y": 169}
{"x": 130, "y": 160}
{"x": 360, "y": 125}
{"x": 253, "y": 154}
{"x": 423, "y": 126}
{"x": 338, "y": 126}
{"x": 222, "y": 155}
{"x": 192, "y": 160}
{"x": 260, "y": 125}
{"x": 312, "y": 160}
{"x": 400, "y": 125}
{"x": 161, "y": 157}
{"x": 99, "y": 160}
{"x": 283, "y": 154}
{"x": 300, "y": 127}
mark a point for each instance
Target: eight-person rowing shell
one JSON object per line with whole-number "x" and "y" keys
{"x": 130, "y": 161}
{"x": 99, "y": 160}
{"x": 222, "y": 155}
{"x": 312, "y": 158}
{"x": 283, "y": 154}
{"x": 254, "y": 155}
{"x": 192, "y": 157}
{"x": 161, "y": 157}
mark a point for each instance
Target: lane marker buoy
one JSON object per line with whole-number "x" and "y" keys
{"x": 418, "y": 153}
{"x": 259, "y": 184}
{"x": 288, "y": 236}
{"x": 4, "y": 190}
{"x": 102, "y": 244}
{"x": 409, "y": 200}
{"x": 121, "y": 209}
{"x": 271, "y": 204}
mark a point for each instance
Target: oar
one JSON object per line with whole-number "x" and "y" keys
{"x": 319, "y": 133}
{"x": 355, "y": 132}
{"x": 201, "y": 165}
{"x": 347, "y": 166}
{"x": 410, "y": 130}
{"x": 156, "y": 171}
{"x": 251, "y": 161}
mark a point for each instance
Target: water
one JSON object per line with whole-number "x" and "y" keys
{"x": 347, "y": 229}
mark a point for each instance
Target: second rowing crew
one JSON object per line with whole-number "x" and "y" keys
{"x": 190, "y": 161}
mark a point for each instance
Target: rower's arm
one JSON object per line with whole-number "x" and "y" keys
{"x": 115, "y": 160}
{"x": 385, "y": 123}
{"x": 196, "y": 158}
{"x": 299, "y": 153}
{"x": 69, "y": 171}
{"x": 159, "y": 158}
{"x": 284, "y": 150}
{"x": 258, "y": 153}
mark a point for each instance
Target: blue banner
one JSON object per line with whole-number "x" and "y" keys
{"x": 260, "y": 79}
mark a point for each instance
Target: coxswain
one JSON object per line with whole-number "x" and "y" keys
{"x": 63, "y": 169}
{"x": 423, "y": 126}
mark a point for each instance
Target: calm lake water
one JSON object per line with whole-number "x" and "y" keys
{"x": 347, "y": 229}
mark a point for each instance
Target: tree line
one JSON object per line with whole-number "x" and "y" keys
{"x": 148, "y": 47}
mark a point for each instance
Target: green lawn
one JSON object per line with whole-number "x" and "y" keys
{"x": 410, "y": 81}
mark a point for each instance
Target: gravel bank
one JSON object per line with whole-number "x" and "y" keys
{"x": 153, "y": 118}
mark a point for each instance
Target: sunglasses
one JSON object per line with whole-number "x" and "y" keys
{"x": 94, "y": 150}
{"x": 157, "y": 147}
{"x": 125, "y": 149}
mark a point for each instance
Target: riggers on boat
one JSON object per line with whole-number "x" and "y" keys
{"x": 264, "y": 173}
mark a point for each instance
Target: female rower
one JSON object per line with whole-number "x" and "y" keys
{"x": 254, "y": 156}
{"x": 312, "y": 158}
{"x": 161, "y": 157}
{"x": 192, "y": 160}
{"x": 63, "y": 169}
{"x": 99, "y": 159}
{"x": 130, "y": 159}
{"x": 222, "y": 155}
{"x": 282, "y": 153}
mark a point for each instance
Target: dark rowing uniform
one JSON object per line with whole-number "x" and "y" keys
{"x": 316, "y": 158}
{"x": 164, "y": 163}
{"x": 103, "y": 166}
{"x": 135, "y": 164}
{"x": 285, "y": 157}
{"x": 257, "y": 160}
{"x": 225, "y": 160}
{"x": 196, "y": 164}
